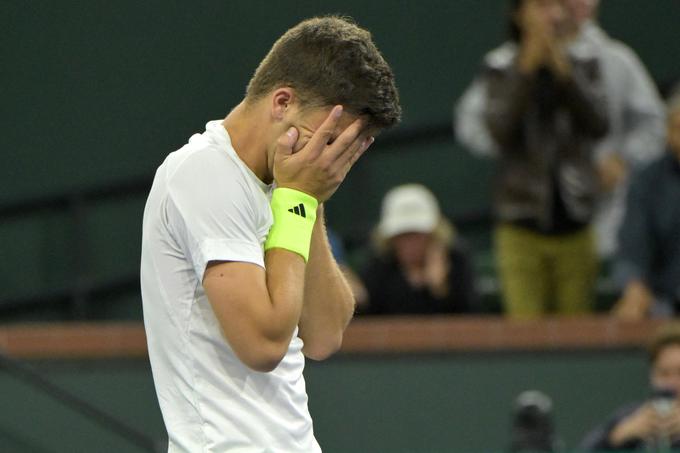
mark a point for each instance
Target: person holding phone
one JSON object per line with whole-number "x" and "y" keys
{"x": 655, "y": 422}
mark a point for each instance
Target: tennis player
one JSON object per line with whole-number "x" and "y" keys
{"x": 238, "y": 281}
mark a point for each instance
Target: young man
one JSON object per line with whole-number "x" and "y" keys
{"x": 238, "y": 281}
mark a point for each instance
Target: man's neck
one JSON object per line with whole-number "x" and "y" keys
{"x": 245, "y": 127}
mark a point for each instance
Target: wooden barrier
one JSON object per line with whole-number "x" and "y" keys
{"x": 74, "y": 340}
{"x": 442, "y": 334}
{"x": 363, "y": 336}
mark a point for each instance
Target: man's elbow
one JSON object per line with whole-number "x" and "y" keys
{"x": 264, "y": 357}
{"x": 321, "y": 349}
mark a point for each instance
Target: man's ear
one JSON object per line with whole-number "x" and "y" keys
{"x": 282, "y": 99}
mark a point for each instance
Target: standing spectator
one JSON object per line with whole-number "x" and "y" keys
{"x": 648, "y": 264}
{"x": 636, "y": 121}
{"x": 635, "y": 113}
{"x": 421, "y": 265}
{"x": 544, "y": 111}
{"x": 652, "y": 425}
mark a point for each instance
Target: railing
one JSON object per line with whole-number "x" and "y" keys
{"x": 33, "y": 378}
{"x": 77, "y": 293}
{"x": 365, "y": 335}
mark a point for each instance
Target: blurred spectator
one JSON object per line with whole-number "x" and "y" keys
{"x": 654, "y": 424}
{"x": 636, "y": 130}
{"x": 636, "y": 121}
{"x": 420, "y": 265}
{"x": 648, "y": 265}
{"x": 544, "y": 109}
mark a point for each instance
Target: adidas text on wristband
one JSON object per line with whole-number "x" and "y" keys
{"x": 294, "y": 216}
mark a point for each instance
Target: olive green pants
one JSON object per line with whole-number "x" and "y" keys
{"x": 543, "y": 274}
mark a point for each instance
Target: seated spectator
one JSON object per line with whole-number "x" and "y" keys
{"x": 544, "y": 111}
{"x": 420, "y": 265}
{"x": 648, "y": 264}
{"x": 654, "y": 424}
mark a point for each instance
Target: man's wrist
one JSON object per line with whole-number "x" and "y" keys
{"x": 294, "y": 215}
{"x": 291, "y": 186}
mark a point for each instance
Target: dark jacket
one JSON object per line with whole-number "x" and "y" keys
{"x": 649, "y": 239}
{"x": 545, "y": 129}
{"x": 597, "y": 440}
{"x": 390, "y": 293}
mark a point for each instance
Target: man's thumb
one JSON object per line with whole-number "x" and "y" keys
{"x": 287, "y": 141}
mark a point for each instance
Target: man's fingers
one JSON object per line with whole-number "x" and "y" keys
{"x": 287, "y": 141}
{"x": 324, "y": 133}
{"x": 361, "y": 145}
{"x": 347, "y": 143}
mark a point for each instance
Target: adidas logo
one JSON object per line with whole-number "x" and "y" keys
{"x": 299, "y": 210}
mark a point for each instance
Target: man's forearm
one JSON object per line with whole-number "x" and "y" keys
{"x": 285, "y": 275}
{"x": 328, "y": 301}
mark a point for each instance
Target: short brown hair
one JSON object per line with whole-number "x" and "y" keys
{"x": 330, "y": 61}
{"x": 666, "y": 335}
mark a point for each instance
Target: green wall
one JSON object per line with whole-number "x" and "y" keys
{"x": 371, "y": 404}
{"x": 97, "y": 92}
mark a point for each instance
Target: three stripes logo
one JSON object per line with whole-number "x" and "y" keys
{"x": 299, "y": 210}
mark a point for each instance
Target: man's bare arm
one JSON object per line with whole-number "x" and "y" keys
{"x": 257, "y": 310}
{"x": 328, "y": 301}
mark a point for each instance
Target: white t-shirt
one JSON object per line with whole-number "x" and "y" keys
{"x": 206, "y": 205}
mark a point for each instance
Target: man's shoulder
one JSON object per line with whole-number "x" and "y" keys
{"x": 202, "y": 162}
{"x": 201, "y": 178}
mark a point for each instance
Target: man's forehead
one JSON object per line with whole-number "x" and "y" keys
{"x": 317, "y": 116}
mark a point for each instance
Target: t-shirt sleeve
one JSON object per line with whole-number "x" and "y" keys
{"x": 212, "y": 213}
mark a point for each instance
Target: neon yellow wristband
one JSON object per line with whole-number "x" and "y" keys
{"x": 294, "y": 216}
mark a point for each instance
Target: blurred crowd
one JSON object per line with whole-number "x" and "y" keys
{"x": 586, "y": 182}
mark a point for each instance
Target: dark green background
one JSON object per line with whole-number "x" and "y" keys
{"x": 360, "y": 404}
{"x": 98, "y": 92}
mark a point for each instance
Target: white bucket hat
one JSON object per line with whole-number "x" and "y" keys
{"x": 410, "y": 208}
